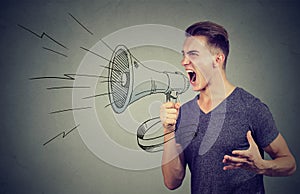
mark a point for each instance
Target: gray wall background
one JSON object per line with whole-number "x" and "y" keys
{"x": 264, "y": 57}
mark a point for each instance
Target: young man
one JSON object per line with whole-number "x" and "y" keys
{"x": 223, "y": 132}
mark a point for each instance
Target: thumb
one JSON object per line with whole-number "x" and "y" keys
{"x": 177, "y": 105}
{"x": 250, "y": 138}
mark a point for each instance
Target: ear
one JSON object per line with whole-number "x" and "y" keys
{"x": 219, "y": 59}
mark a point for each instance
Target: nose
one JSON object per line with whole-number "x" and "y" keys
{"x": 185, "y": 60}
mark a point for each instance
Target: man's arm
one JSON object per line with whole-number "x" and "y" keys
{"x": 173, "y": 164}
{"x": 282, "y": 163}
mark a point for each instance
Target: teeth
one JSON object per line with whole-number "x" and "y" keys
{"x": 189, "y": 71}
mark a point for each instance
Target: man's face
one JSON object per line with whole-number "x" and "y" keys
{"x": 198, "y": 62}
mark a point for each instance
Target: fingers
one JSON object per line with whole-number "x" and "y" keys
{"x": 249, "y": 159}
{"x": 234, "y": 162}
{"x": 171, "y": 105}
{"x": 232, "y": 159}
{"x": 233, "y": 166}
{"x": 177, "y": 105}
{"x": 169, "y": 114}
{"x": 241, "y": 153}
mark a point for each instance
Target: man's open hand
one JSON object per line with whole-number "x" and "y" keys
{"x": 249, "y": 159}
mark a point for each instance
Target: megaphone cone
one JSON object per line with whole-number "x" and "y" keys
{"x": 129, "y": 80}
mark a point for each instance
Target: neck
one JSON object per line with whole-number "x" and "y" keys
{"x": 216, "y": 91}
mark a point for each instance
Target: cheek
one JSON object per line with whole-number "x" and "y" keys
{"x": 204, "y": 64}
{"x": 205, "y": 71}
{"x": 201, "y": 80}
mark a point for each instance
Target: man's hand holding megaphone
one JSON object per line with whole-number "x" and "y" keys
{"x": 168, "y": 115}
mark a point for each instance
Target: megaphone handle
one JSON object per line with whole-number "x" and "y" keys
{"x": 169, "y": 96}
{"x": 147, "y": 125}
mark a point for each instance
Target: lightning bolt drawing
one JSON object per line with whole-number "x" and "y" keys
{"x": 48, "y": 49}
{"x": 63, "y": 133}
{"x": 42, "y": 35}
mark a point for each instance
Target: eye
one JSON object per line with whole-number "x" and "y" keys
{"x": 193, "y": 54}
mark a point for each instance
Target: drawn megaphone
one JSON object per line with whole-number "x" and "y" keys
{"x": 129, "y": 80}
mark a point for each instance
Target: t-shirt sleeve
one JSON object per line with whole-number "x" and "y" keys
{"x": 263, "y": 124}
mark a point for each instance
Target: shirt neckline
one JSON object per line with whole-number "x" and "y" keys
{"x": 221, "y": 104}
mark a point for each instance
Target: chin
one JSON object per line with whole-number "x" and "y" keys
{"x": 196, "y": 88}
{"x": 199, "y": 88}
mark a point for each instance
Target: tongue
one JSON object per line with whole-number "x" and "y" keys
{"x": 192, "y": 76}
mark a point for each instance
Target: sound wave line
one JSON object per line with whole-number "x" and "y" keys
{"x": 42, "y": 35}
{"x": 95, "y": 54}
{"x": 81, "y": 24}
{"x": 64, "y": 134}
{"x": 97, "y": 95}
{"x": 67, "y": 76}
{"x": 111, "y": 81}
{"x": 101, "y": 58}
{"x": 70, "y": 109}
{"x": 110, "y": 68}
{"x": 110, "y": 104}
{"x": 67, "y": 87}
{"x": 106, "y": 45}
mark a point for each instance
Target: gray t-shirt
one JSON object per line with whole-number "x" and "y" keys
{"x": 206, "y": 138}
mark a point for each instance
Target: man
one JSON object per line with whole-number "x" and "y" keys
{"x": 223, "y": 132}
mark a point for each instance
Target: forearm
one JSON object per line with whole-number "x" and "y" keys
{"x": 173, "y": 167}
{"x": 283, "y": 163}
{"x": 280, "y": 166}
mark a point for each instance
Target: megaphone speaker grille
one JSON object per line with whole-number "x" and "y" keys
{"x": 120, "y": 79}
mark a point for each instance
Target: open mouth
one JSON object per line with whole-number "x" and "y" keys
{"x": 192, "y": 75}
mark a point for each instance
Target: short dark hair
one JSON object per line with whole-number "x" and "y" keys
{"x": 216, "y": 35}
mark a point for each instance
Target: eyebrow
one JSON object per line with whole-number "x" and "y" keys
{"x": 189, "y": 52}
